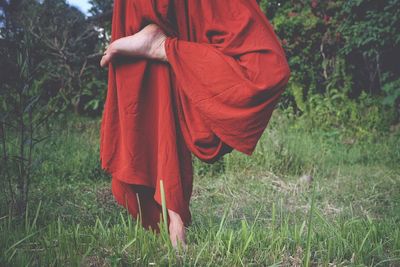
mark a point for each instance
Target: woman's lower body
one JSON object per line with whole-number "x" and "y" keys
{"x": 210, "y": 89}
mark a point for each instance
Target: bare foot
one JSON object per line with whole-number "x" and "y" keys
{"x": 148, "y": 42}
{"x": 176, "y": 230}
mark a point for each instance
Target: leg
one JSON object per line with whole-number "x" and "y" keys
{"x": 133, "y": 196}
{"x": 176, "y": 229}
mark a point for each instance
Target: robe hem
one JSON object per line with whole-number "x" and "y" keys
{"x": 185, "y": 215}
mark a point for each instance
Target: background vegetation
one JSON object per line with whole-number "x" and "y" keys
{"x": 322, "y": 188}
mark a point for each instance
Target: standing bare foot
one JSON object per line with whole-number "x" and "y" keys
{"x": 176, "y": 230}
{"x": 148, "y": 42}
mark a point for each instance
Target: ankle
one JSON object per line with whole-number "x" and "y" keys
{"x": 157, "y": 50}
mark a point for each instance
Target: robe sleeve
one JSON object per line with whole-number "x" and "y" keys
{"x": 233, "y": 70}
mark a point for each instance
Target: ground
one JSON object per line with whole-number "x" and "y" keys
{"x": 252, "y": 211}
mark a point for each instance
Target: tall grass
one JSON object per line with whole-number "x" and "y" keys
{"x": 246, "y": 211}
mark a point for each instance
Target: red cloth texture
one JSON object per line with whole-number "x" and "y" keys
{"x": 225, "y": 74}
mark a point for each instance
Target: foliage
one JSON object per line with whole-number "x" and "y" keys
{"x": 371, "y": 30}
{"x": 45, "y": 61}
{"x": 334, "y": 111}
{"x": 392, "y": 90}
{"x": 349, "y": 46}
{"x": 65, "y": 42}
{"x": 22, "y": 116}
{"x": 346, "y": 45}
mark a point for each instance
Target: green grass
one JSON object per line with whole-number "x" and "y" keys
{"x": 247, "y": 211}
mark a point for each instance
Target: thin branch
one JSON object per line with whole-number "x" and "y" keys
{"x": 5, "y": 160}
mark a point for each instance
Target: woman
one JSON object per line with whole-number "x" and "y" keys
{"x": 185, "y": 76}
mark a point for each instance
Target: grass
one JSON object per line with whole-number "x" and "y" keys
{"x": 247, "y": 211}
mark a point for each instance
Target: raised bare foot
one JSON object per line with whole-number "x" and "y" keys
{"x": 148, "y": 42}
{"x": 176, "y": 230}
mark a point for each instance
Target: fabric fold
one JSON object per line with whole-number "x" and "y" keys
{"x": 225, "y": 75}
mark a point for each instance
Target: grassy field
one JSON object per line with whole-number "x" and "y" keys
{"x": 247, "y": 211}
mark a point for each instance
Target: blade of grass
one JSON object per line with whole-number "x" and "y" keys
{"x": 36, "y": 215}
{"x": 164, "y": 225}
{"x": 310, "y": 215}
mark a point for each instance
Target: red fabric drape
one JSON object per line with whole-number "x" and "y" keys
{"x": 226, "y": 72}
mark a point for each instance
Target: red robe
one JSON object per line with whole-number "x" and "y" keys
{"x": 226, "y": 72}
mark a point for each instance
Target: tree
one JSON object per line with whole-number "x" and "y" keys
{"x": 48, "y": 53}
